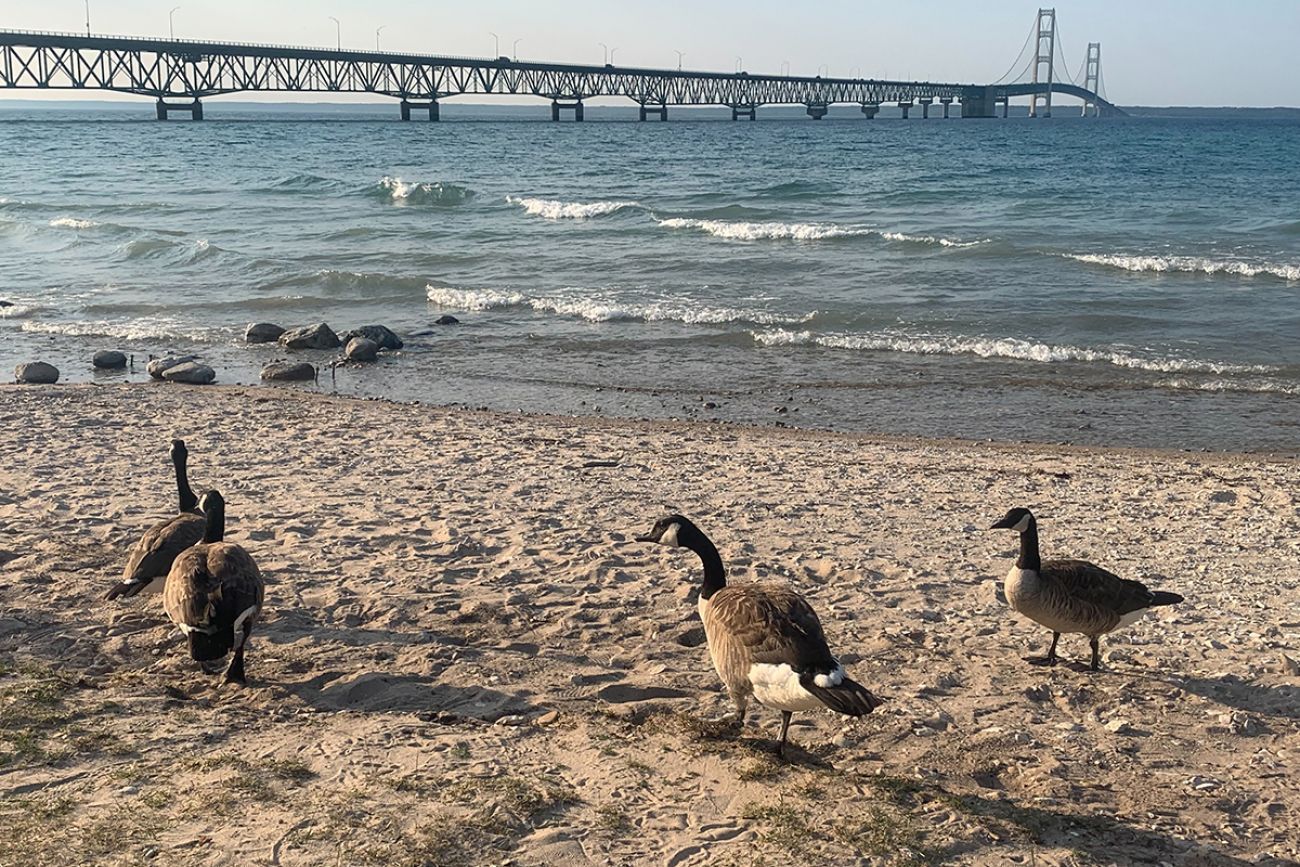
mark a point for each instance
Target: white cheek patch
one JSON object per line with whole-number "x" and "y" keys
{"x": 670, "y": 535}
{"x": 1022, "y": 525}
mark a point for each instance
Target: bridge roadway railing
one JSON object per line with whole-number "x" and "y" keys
{"x": 171, "y": 69}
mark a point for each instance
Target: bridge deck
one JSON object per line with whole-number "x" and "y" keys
{"x": 169, "y": 69}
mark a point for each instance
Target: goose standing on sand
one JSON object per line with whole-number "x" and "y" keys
{"x": 1071, "y": 595}
{"x": 214, "y": 593}
{"x": 765, "y": 640}
{"x": 153, "y": 555}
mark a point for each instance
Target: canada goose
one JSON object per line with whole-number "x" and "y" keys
{"x": 1071, "y": 595}
{"x": 152, "y": 556}
{"x": 765, "y": 639}
{"x": 214, "y": 593}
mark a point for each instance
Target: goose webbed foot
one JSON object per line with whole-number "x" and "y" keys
{"x": 1050, "y": 658}
{"x": 235, "y": 674}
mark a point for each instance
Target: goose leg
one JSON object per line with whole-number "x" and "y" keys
{"x": 235, "y": 673}
{"x": 785, "y": 728}
{"x": 1050, "y": 659}
{"x": 1096, "y": 653}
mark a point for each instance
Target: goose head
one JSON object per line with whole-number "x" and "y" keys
{"x": 1017, "y": 519}
{"x": 674, "y": 531}
{"x": 213, "y": 503}
{"x": 178, "y": 451}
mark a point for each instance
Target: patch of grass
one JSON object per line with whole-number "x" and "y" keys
{"x": 761, "y": 769}
{"x": 460, "y": 751}
{"x": 612, "y": 819}
{"x": 32, "y": 709}
{"x": 886, "y": 834}
{"x": 783, "y": 825}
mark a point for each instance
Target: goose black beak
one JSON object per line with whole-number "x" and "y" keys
{"x": 646, "y": 538}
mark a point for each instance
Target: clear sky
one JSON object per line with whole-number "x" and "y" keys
{"x": 1155, "y": 52}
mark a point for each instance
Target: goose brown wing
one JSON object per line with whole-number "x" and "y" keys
{"x": 768, "y": 624}
{"x": 209, "y": 586}
{"x": 1091, "y": 584}
{"x": 154, "y": 554}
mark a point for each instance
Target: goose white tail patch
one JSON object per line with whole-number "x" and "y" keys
{"x": 832, "y": 679}
{"x": 778, "y": 686}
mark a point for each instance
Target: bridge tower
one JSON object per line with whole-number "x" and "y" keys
{"x": 1044, "y": 56}
{"x": 1092, "y": 78}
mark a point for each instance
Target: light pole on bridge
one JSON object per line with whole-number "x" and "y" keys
{"x": 87, "y": 17}
{"x": 496, "y": 44}
{"x": 514, "y": 49}
{"x": 681, "y": 55}
{"x": 740, "y": 61}
{"x": 826, "y": 67}
{"x": 785, "y": 68}
{"x": 171, "y": 22}
{"x": 378, "y": 30}
{"x": 338, "y": 33}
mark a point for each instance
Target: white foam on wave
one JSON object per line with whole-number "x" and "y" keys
{"x": 413, "y": 192}
{"x": 16, "y": 311}
{"x": 596, "y": 308}
{"x": 740, "y": 230}
{"x": 142, "y": 328}
{"x": 1189, "y": 265}
{"x": 1258, "y": 386}
{"x": 997, "y": 347}
{"x": 72, "y": 223}
{"x": 551, "y": 209}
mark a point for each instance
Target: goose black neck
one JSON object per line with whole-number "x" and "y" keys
{"x": 214, "y": 528}
{"x": 1029, "y": 558}
{"x": 715, "y": 575}
{"x": 187, "y": 499}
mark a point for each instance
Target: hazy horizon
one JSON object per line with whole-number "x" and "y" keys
{"x": 1197, "y": 53}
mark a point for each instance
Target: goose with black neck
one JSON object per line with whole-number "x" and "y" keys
{"x": 765, "y": 640}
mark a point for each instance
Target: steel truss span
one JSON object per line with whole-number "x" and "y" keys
{"x": 180, "y": 73}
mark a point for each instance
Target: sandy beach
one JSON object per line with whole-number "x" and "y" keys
{"x": 467, "y": 659}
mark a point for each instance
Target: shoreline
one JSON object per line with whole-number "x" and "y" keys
{"x": 792, "y": 430}
{"x": 467, "y": 658}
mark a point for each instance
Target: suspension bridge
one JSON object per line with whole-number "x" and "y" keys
{"x": 180, "y": 73}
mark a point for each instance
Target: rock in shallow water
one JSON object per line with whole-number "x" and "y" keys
{"x": 36, "y": 373}
{"x": 318, "y": 336}
{"x": 361, "y": 349}
{"x": 383, "y": 336}
{"x": 159, "y": 366}
{"x": 109, "y": 359}
{"x": 262, "y": 332}
{"x": 288, "y": 371}
{"x": 190, "y": 373}
{"x": 446, "y": 319}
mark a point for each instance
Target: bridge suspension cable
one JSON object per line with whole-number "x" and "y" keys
{"x": 1006, "y": 76}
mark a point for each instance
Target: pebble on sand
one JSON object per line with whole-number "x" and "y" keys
{"x": 36, "y": 373}
{"x": 288, "y": 371}
{"x": 318, "y": 336}
{"x": 190, "y": 373}
{"x": 262, "y": 332}
{"x": 158, "y": 366}
{"x": 109, "y": 359}
{"x": 361, "y": 349}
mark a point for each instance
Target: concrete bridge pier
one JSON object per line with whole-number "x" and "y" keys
{"x": 434, "y": 112}
{"x": 871, "y": 109}
{"x": 946, "y": 102}
{"x": 926, "y": 102}
{"x": 661, "y": 110}
{"x": 195, "y": 109}
{"x": 747, "y": 110}
{"x": 817, "y": 110}
{"x": 978, "y": 102}
{"x": 906, "y": 107}
{"x": 574, "y": 105}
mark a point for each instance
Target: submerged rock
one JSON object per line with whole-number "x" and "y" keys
{"x": 318, "y": 336}
{"x": 262, "y": 332}
{"x": 446, "y": 319}
{"x": 382, "y": 335}
{"x": 159, "y": 366}
{"x": 36, "y": 373}
{"x": 288, "y": 371}
{"x": 361, "y": 349}
{"x": 109, "y": 359}
{"x": 190, "y": 373}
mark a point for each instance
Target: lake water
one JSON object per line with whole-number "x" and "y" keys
{"x": 1130, "y": 281}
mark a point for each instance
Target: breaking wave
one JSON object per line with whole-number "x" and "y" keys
{"x": 603, "y": 309}
{"x": 1189, "y": 265}
{"x": 436, "y": 194}
{"x": 72, "y": 223}
{"x": 136, "y": 328}
{"x": 996, "y": 347}
{"x": 735, "y": 230}
{"x": 555, "y": 210}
